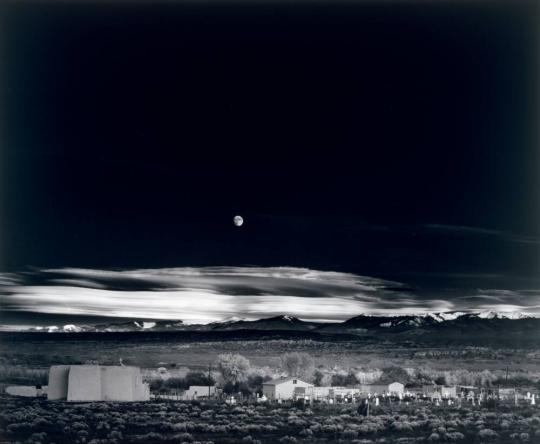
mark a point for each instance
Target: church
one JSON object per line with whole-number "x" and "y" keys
{"x": 83, "y": 383}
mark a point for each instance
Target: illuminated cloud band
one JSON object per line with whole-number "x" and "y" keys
{"x": 210, "y": 294}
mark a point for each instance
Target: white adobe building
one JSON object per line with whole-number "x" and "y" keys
{"x": 283, "y": 388}
{"x": 394, "y": 389}
{"x": 96, "y": 383}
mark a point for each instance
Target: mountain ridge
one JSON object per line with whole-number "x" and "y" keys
{"x": 360, "y": 324}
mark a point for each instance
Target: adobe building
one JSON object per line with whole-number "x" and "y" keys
{"x": 82, "y": 383}
{"x": 283, "y": 388}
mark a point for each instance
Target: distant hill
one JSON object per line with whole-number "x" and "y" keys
{"x": 446, "y": 326}
{"x": 433, "y": 329}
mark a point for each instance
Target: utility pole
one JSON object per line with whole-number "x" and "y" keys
{"x": 209, "y": 369}
{"x": 506, "y": 379}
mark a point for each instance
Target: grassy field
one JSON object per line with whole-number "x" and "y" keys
{"x": 36, "y": 354}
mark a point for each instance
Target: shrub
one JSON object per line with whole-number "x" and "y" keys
{"x": 38, "y": 437}
{"x": 454, "y": 436}
{"x": 185, "y": 437}
{"x": 349, "y": 434}
{"x": 115, "y": 434}
{"x": 488, "y": 434}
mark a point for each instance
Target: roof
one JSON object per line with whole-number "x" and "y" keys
{"x": 96, "y": 366}
{"x": 385, "y": 384}
{"x": 283, "y": 380}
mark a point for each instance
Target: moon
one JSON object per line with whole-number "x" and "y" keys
{"x": 238, "y": 221}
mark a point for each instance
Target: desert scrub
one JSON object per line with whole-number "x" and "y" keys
{"x": 25, "y": 420}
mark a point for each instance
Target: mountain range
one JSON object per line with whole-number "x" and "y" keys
{"x": 359, "y": 325}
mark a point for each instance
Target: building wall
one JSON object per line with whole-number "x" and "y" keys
{"x": 378, "y": 389}
{"x": 84, "y": 383}
{"x": 58, "y": 382}
{"x": 22, "y": 390}
{"x": 284, "y": 390}
{"x": 344, "y": 391}
{"x": 97, "y": 383}
{"x": 396, "y": 388}
{"x": 269, "y": 391}
{"x": 448, "y": 392}
{"x": 319, "y": 392}
{"x": 141, "y": 390}
{"x": 439, "y": 391}
{"x": 117, "y": 383}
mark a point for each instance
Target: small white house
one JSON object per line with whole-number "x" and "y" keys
{"x": 283, "y": 388}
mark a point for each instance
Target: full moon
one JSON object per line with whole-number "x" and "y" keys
{"x": 238, "y": 221}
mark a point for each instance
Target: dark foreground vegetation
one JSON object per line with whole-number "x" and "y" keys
{"x": 41, "y": 421}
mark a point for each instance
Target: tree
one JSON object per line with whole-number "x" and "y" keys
{"x": 344, "y": 380}
{"x": 440, "y": 380}
{"x": 318, "y": 378}
{"x": 233, "y": 367}
{"x": 394, "y": 374}
{"x": 198, "y": 378}
{"x": 298, "y": 364}
{"x": 255, "y": 383}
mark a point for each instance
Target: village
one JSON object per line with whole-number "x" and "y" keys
{"x": 235, "y": 401}
{"x": 120, "y": 383}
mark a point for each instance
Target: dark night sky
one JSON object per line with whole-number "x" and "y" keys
{"x": 396, "y": 140}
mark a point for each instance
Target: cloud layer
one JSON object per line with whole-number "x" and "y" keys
{"x": 209, "y": 294}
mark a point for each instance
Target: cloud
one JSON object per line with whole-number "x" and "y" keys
{"x": 503, "y": 235}
{"x": 210, "y": 294}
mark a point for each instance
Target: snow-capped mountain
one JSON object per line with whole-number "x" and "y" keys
{"x": 356, "y": 325}
{"x": 502, "y": 315}
{"x": 446, "y": 316}
{"x": 69, "y": 328}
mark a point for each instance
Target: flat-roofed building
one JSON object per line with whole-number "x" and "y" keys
{"x": 283, "y": 388}
{"x": 97, "y": 383}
